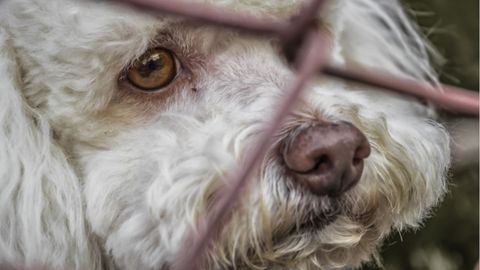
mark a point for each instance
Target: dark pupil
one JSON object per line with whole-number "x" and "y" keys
{"x": 151, "y": 66}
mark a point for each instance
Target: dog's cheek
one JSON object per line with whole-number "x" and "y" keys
{"x": 427, "y": 150}
{"x": 116, "y": 195}
{"x": 112, "y": 182}
{"x": 405, "y": 175}
{"x": 146, "y": 192}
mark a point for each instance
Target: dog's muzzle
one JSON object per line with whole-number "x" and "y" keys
{"x": 327, "y": 158}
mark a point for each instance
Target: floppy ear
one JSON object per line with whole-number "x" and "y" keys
{"x": 41, "y": 211}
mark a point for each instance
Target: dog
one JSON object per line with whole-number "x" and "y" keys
{"x": 118, "y": 130}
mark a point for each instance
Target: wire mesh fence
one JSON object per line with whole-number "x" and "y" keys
{"x": 305, "y": 45}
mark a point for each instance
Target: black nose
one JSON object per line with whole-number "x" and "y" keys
{"x": 327, "y": 158}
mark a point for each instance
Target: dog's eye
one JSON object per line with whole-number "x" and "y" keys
{"x": 153, "y": 70}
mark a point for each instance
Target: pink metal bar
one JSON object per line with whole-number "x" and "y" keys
{"x": 190, "y": 258}
{"x": 447, "y": 97}
{"x": 293, "y": 36}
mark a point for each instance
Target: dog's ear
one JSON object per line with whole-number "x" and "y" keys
{"x": 41, "y": 211}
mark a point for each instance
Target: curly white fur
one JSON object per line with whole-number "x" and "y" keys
{"x": 96, "y": 176}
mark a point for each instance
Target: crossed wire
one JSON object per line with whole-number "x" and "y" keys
{"x": 304, "y": 45}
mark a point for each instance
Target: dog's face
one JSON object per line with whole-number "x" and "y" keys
{"x": 154, "y": 113}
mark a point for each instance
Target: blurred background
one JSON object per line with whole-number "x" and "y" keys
{"x": 449, "y": 239}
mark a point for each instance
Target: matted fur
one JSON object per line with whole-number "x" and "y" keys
{"x": 95, "y": 175}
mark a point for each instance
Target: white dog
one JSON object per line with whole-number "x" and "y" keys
{"x": 118, "y": 129}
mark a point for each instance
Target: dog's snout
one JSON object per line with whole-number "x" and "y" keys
{"x": 327, "y": 158}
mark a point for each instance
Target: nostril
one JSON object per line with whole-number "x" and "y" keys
{"x": 356, "y": 161}
{"x": 323, "y": 164}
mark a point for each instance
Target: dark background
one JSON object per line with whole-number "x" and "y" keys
{"x": 449, "y": 239}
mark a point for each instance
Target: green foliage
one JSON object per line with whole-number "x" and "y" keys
{"x": 452, "y": 26}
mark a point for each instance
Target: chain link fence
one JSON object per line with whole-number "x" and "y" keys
{"x": 306, "y": 47}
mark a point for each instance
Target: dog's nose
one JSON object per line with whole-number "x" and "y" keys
{"x": 327, "y": 158}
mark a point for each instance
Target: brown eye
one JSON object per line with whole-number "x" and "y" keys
{"x": 153, "y": 70}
